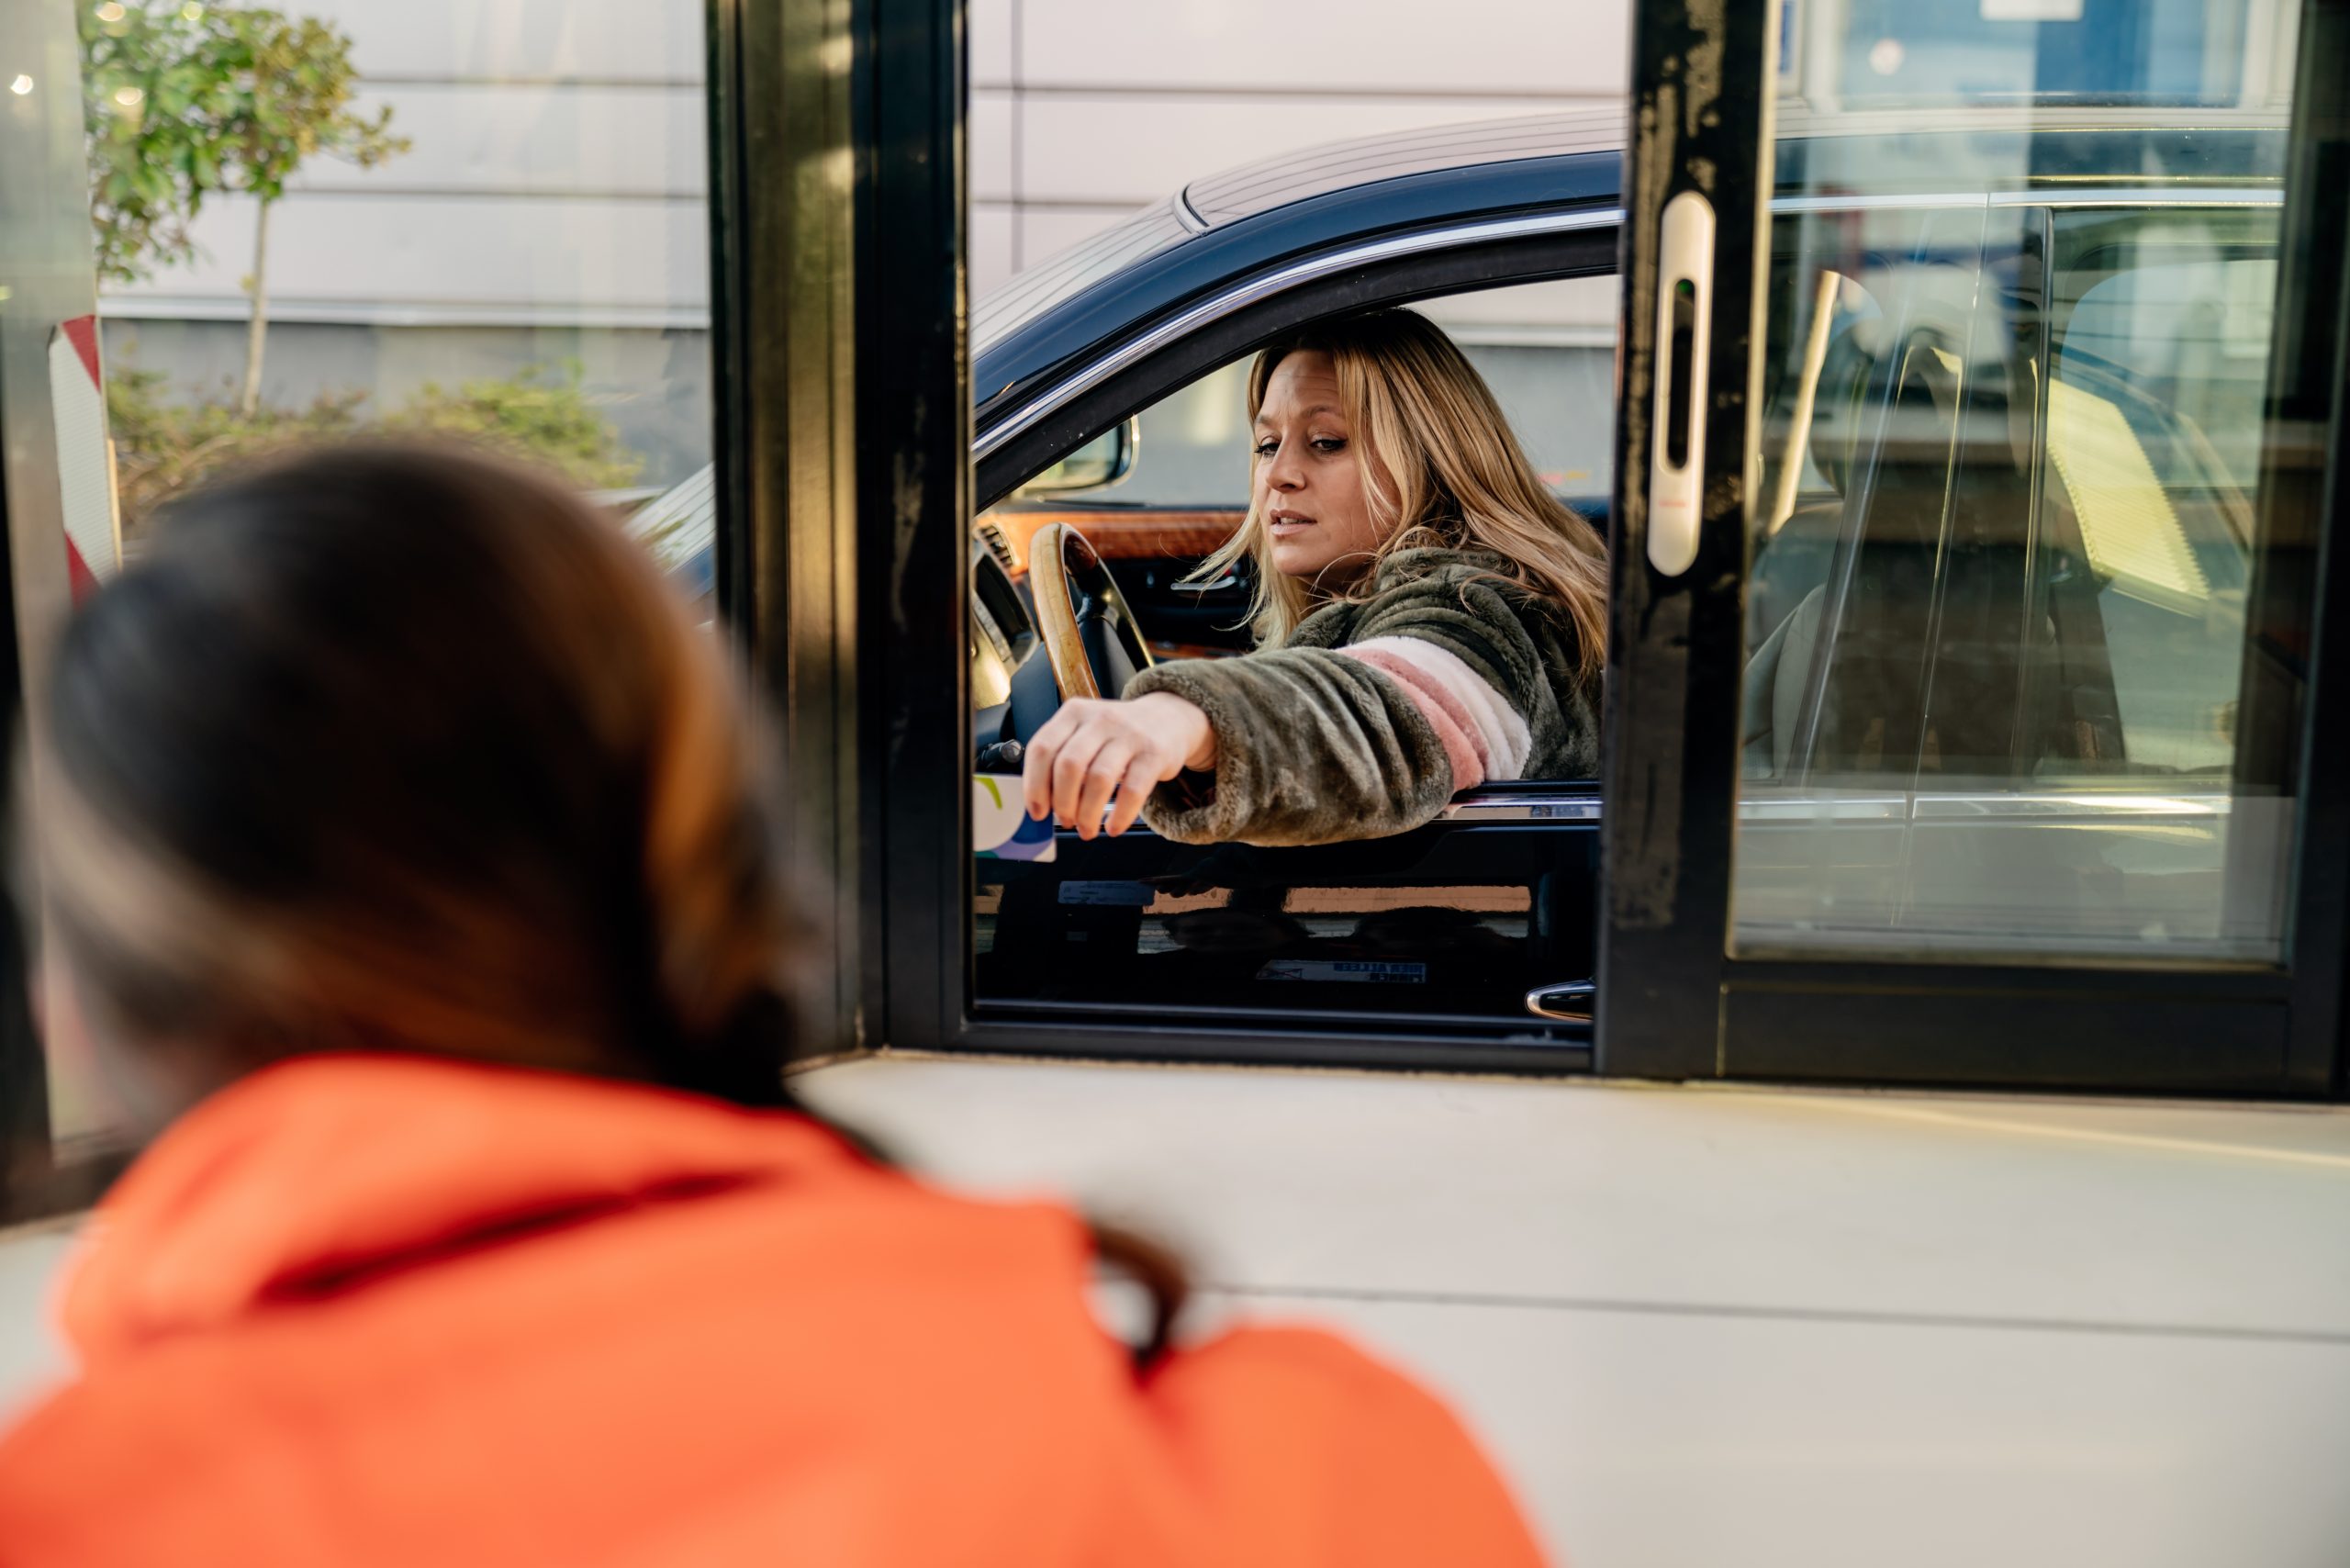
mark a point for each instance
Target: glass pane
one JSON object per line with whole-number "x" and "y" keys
{"x": 2012, "y": 512}
{"x": 500, "y": 234}
{"x": 492, "y": 228}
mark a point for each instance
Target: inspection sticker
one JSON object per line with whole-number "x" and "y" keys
{"x": 1132, "y": 895}
{"x": 1359, "y": 971}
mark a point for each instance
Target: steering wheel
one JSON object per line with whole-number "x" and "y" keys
{"x": 1089, "y": 636}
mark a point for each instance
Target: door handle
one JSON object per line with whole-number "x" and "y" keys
{"x": 1685, "y": 304}
{"x": 1568, "y": 1000}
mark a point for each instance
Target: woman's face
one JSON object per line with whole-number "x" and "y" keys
{"x": 1310, "y": 489}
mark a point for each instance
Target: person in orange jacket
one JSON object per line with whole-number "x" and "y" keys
{"x": 405, "y": 858}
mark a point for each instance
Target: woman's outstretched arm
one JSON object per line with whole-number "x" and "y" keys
{"x": 1447, "y": 681}
{"x": 1313, "y": 747}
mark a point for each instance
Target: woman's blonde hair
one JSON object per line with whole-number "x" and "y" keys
{"x": 1441, "y": 467}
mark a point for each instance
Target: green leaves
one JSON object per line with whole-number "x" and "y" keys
{"x": 183, "y": 100}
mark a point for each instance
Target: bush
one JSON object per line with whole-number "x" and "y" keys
{"x": 163, "y": 448}
{"x": 546, "y": 421}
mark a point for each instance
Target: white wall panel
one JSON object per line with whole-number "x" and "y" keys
{"x": 989, "y": 27}
{"x": 992, "y": 227}
{"x": 1133, "y": 149}
{"x": 990, "y": 140}
{"x": 649, "y": 140}
{"x": 630, "y": 40}
{"x": 1516, "y": 47}
{"x": 437, "y": 259}
{"x": 1045, "y": 232}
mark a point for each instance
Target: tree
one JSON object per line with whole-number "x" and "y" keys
{"x": 187, "y": 99}
{"x": 158, "y": 102}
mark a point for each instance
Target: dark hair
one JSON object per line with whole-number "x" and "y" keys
{"x": 407, "y": 749}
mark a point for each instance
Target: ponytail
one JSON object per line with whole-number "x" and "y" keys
{"x": 1157, "y": 1272}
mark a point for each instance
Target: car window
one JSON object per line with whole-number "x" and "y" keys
{"x": 1547, "y": 349}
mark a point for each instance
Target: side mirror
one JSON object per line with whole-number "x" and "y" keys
{"x": 1099, "y": 464}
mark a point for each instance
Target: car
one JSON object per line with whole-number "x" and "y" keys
{"x": 2012, "y": 424}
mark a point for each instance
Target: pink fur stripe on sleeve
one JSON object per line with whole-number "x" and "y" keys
{"x": 1453, "y": 726}
{"x": 1504, "y": 745}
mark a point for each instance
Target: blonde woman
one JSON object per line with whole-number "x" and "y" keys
{"x": 1430, "y": 618}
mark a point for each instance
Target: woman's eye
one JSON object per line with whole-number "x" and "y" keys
{"x": 1329, "y": 443}
{"x": 1267, "y": 448}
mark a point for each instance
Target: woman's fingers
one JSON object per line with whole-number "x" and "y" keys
{"x": 1093, "y": 757}
{"x": 1103, "y": 773}
{"x": 1073, "y": 762}
{"x": 1037, "y": 764}
{"x": 1134, "y": 789}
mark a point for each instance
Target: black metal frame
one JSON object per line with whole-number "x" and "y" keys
{"x": 794, "y": 171}
{"x": 914, "y": 502}
{"x": 1675, "y": 644}
{"x": 1673, "y": 1003}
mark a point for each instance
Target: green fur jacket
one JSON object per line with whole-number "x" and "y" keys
{"x": 1374, "y": 713}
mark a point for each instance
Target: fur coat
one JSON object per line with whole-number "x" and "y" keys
{"x": 1376, "y": 712}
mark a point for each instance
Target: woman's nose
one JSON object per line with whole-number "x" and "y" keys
{"x": 1285, "y": 472}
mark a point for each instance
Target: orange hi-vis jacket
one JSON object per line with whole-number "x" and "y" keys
{"x": 361, "y": 1310}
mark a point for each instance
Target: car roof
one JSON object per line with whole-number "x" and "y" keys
{"x": 1269, "y": 183}
{"x": 1265, "y": 184}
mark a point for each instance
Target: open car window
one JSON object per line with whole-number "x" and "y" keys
{"x": 1448, "y": 926}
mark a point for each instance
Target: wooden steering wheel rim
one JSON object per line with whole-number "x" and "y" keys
{"x": 1060, "y": 561}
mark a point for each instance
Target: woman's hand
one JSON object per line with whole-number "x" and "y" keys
{"x": 1092, "y": 747}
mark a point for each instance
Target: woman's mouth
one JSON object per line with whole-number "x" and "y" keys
{"x": 1287, "y": 524}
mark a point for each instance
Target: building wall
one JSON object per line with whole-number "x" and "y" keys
{"x": 551, "y": 214}
{"x": 557, "y": 175}
{"x": 552, "y": 209}
{"x": 1081, "y": 112}
{"x": 558, "y": 171}
{"x": 558, "y": 167}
